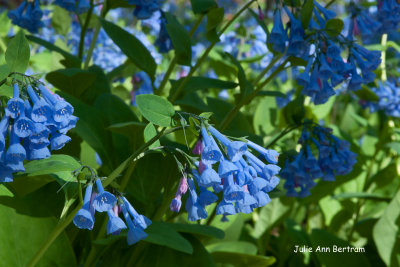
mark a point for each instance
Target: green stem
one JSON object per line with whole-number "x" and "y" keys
{"x": 383, "y": 62}
{"x": 84, "y": 29}
{"x": 265, "y": 71}
{"x": 208, "y": 50}
{"x": 235, "y": 110}
{"x": 53, "y": 236}
{"x": 95, "y": 35}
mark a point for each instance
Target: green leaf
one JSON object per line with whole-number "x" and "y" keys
{"x": 234, "y": 247}
{"x": 22, "y": 234}
{"x": 202, "y": 6}
{"x": 395, "y": 146}
{"x": 149, "y": 133}
{"x": 156, "y": 109}
{"x": 306, "y": 13}
{"x": 269, "y": 215}
{"x": 333, "y": 27}
{"x": 4, "y": 71}
{"x": 240, "y": 259}
{"x": 386, "y": 232}
{"x": 214, "y": 19}
{"x": 198, "y": 229}
{"x": 70, "y": 60}
{"x": 180, "y": 40}
{"x": 73, "y": 81}
{"x": 61, "y": 20}
{"x": 246, "y": 87}
{"x": 18, "y": 53}
{"x": 366, "y": 94}
{"x": 323, "y": 239}
{"x": 54, "y": 164}
{"x": 162, "y": 234}
{"x": 5, "y": 23}
{"x": 127, "y": 128}
{"x": 131, "y": 47}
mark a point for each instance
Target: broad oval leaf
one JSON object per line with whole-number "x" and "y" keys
{"x": 180, "y": 40}
{"x": 156, "y": 109}
{"x": 18, "y": 53}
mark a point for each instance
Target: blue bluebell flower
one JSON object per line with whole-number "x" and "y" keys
{"x": 28, "y": 16}
{"x": 388, "y": 93}
{"x": 135, "y": 233}
{"x": 104, "y": 201}
{"x": 16, "y": 152}
{"x": 139, "y": 220}
{"x": 211, "y": 153}
{"x": 163, "y": 41}
{"x": 144, "y": 8}
{"x": 15, "y": 105}
{"x": 5, "y": 174}
{"x": 84, "y": 218}
{"x": 195, "y": 210}
{"x": 115, "y": 224}
{"x": 278, "y": 36}
{"x": 61, "y": 108}
{"x": 79, "y": 6}
{"x": 334, "y": 158}
{"x": 41, "y": 111}
{"x": 234, "y": 149}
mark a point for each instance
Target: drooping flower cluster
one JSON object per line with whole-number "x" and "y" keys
{"x": 243, "y": 178}
{"x": 334, "y": 158}
{"x": 144, "y": 8}
{"x": 325, "y": 67}
{"x": 388, "y": 93}
{"x": 373, "y": 22}
{"x": 29, "y": 122}
{"x": 79, "y": 6}
{"x": 28, "y": 16}
{"x": 104, "y": 201}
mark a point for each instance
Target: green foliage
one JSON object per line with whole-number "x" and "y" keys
{"x": 18, "y": 53}
{"x": 156, "y": 109}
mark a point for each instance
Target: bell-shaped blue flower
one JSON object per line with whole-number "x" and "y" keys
{"x": 135, "y": 233}
{"x": 16, "y": 14}
{"x": 163, "y": 41}
{"x": 232, "y": 192}
{"x": 193, "y": 207}
{"x": 58, "y": 140}
{"x": 235, "y": 149}
{"x": 139, "y": 220}
{"x": 225, "y": 208}
{"x": 15, "y": 105}
{"x": 115, "y": 224}
{"x": 226, "y": 168}
{"x": 23, "y": 126}
{"x": 105, "y": 200}
{"x": 211, "y": 153}
{"x": 84, "y": 219}
{"x": 41, "y": 110}
{"x": 278, "y": 36}
{"x": 61, "y": 108}
{"x": 206, "y": 197}
{"x": 16, "y": 152}
{"x": 5, "y": 174}
{"x": 209, "y": 177}
{"x": 270, "y": 155}
{"x": 3, "y": 131}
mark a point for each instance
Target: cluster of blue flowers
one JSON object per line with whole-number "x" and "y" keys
{"x": 373, "y": 22}
{"x": 79, "y": 6}
{"x": 145, "y": 8}
{"x": 325, "y": 67}
{"x": 31, "y": 121}
{"x": 243, "y": 178}
{"x": 334, "y": 158}
{"x": 388, "y": 93}
{"x": 28, "y": 16}
{"x": 104, "y": 201}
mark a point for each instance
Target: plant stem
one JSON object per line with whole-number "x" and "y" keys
{"x": 205, "y": 54}
{"x": 173, "y": 61}
{"x": 53, "y": 236}
{"x": 95, "y": 35}
{"x": 235, "y": 110}
{"x": 383, "y": 62}
{"x": 265, "y": 71}
{"x": 84, "y": 29}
